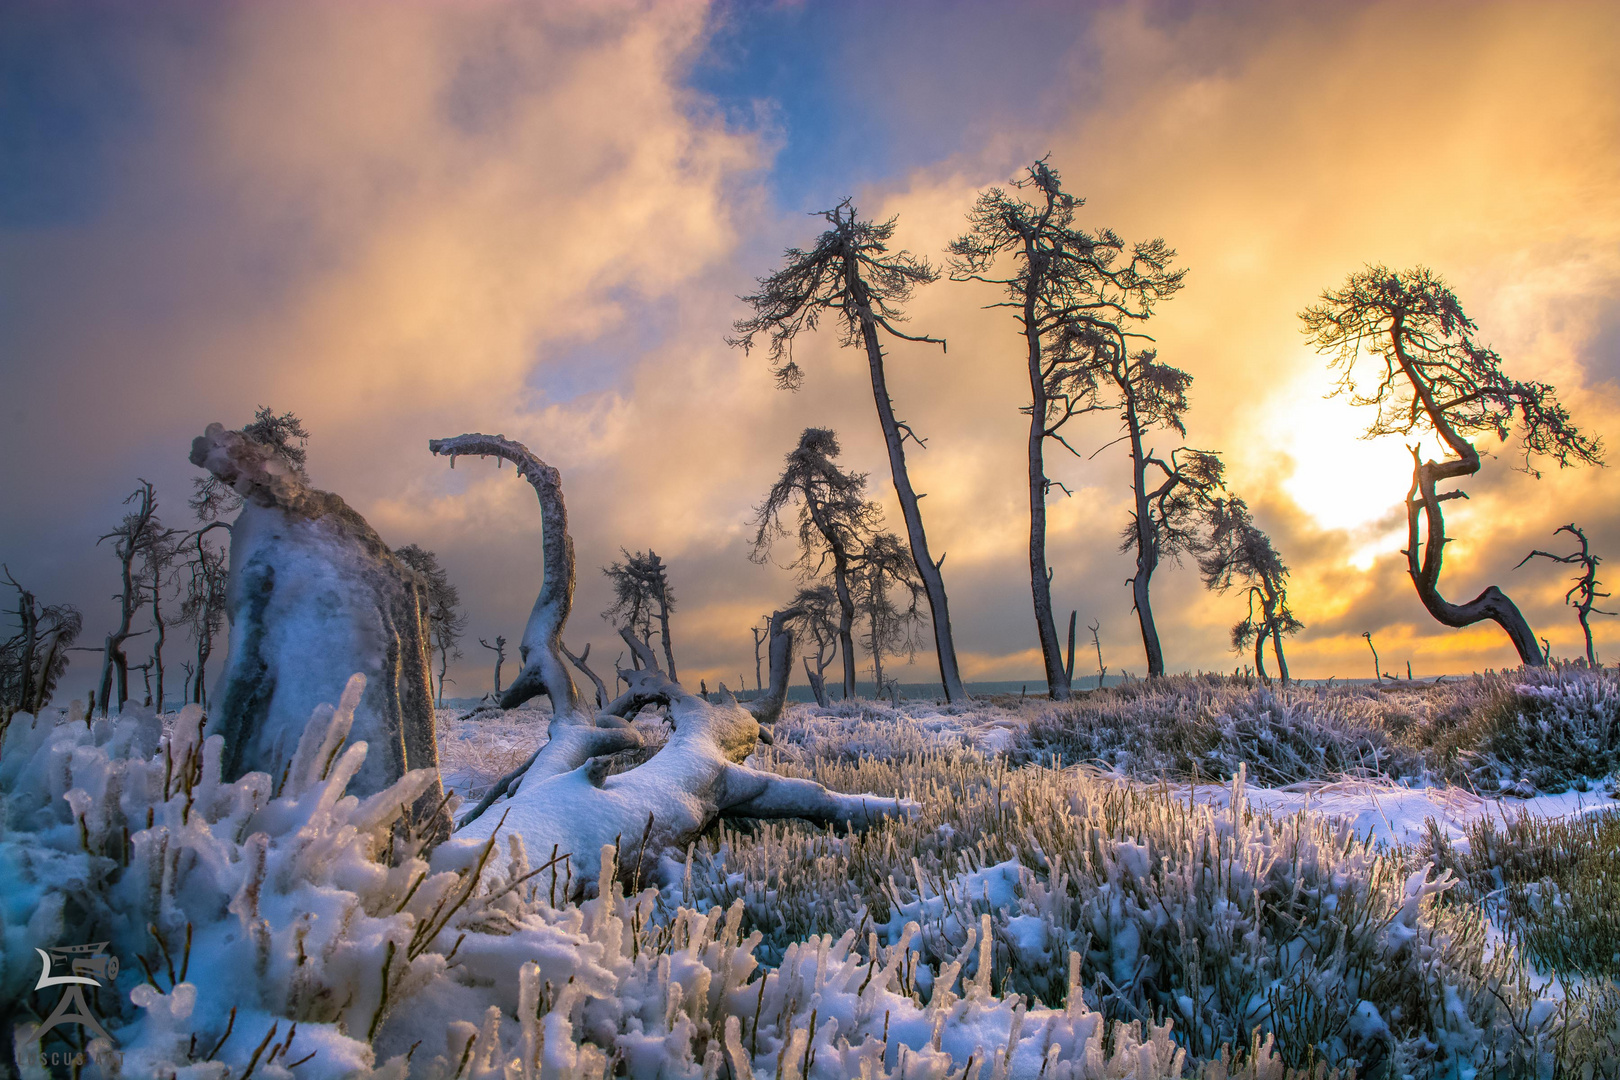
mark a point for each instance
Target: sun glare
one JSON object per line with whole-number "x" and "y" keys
{"x": 1340, "y": 479}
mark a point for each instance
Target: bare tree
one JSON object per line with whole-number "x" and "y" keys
{"x": 1584, "y": 594}
{"x": 1061, "y": 278}
{"x": 888, "y": 593}
{"x": 499, "y": 649}
{"x": 441, "y": 607}
{"x": 851, "y": 272}
{"x": 761, "y": 633}
{"x": 641, "y": 592}
{"x": 602, "y": 696}
{"x": 158, "y": 572}
{"x": 204, "y": 607}
{"x": 834, "y": 518}
{"x": 32, "y": 660}
{"x": 135, "y": 536}
{"x": 282, "y": 434}
{"x": 1238, "y": 552}
{"x": 823, "y": 616}
{"x": 1432, "y": 375}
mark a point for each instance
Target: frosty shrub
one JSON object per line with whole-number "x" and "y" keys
{"x": 1538, "y": 729}
{"x": 1209, "y": 725}
{"x": 1553, "y": 883}
{"x": 1220, "y": 919}
{"x": 280, "y": 929}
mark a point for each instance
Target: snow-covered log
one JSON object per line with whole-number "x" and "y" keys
{"x": 562, "y": 798}
{"x": 315, "y": 596}
{"x": 668, "y": 800}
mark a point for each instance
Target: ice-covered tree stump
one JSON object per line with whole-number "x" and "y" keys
{"x": 315, "y": 596}
{"x": 562, "y": 798}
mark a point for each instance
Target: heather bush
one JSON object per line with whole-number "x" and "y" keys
{"x": 1220, "y": 919}
{"x": 1186, "y": 726}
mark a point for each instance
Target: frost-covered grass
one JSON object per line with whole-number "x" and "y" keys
{"x": 1030, "y": 920}
{"x": 299, "y": 932}
{"x": 1553, "y": 883}
{"x": 1528, "y": 730}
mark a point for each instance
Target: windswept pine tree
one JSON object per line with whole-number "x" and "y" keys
{"x": 835, "y": 517}
{"x": 1059, "y": 280}
{"x": 850, "y": 272}
{"x": 1238, "y": 553}
{"x": 1430, "y": 375}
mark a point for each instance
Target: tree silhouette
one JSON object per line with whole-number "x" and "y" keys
{"x": 1172, "y": 495}
{"x": 822, "y": 617}
{"x": 851, "y": 272}
{"x": 888, "y": 593}
{"x": 441, "y": 607}
{"x": 1237, "y": 552}
{"x": 135, "y": 540}
{"x": 641, "y": 592}
{"x": 1432, "y": 375}
{"x": 204, "y": 607}
{"x": 834, "y": 518}
{"x": 1584, "y": 594}
{"x": 33, "y": 659}
{"x": 1063, "y": 280}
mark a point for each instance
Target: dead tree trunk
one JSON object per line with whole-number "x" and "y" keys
{"x": 499, "y": 649}
{"x": 760, "y": 634}
{"x": 314, "y": 597}
{"x": 767, "y": 708}
{"x": 544, "y": 671}
{"x": 128, "y": 540}
{"x": 817, "y": 680}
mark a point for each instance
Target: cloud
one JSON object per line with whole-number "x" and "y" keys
{"x": 412, "y": 221}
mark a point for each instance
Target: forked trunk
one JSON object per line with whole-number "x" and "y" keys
{"x": 1147, "y": 541}
{"x": 767, "y": 708}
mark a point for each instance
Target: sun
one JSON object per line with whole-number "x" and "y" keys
{"x": 1340, "y": 479}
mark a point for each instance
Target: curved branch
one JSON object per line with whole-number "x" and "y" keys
{"x": 544, "y": 671}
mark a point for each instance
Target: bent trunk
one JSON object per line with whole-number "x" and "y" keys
{"x": 544, "y": 670}
{"x": 1492, "y": 604}
{"x": 769, "y": 707}
{"x": 1147, "y": 547}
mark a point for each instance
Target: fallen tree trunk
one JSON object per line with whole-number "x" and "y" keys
{"x": 314, "y": 597}
{"x": 563, "y": 799}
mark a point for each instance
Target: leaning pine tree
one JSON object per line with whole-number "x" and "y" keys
{"x": 834, "y": 518}
{"x": 1057, "y": 278}
{"x": 850, "y": 271}
{"x": 1237, "y": 552}
{"x": 1431, "y": 375}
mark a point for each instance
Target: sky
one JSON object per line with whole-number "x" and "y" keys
{"x": 414, "y": 220}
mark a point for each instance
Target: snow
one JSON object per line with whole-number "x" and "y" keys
{"x": 304, "y": 904}
{"x": 1389, "y": 814}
